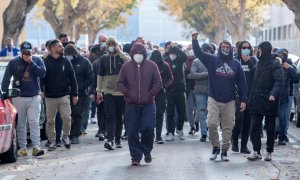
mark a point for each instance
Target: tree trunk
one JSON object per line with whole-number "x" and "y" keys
{"x": 14, "y": 18}
{"x": 294, "y": 5}
{"x": 92, "y": 36}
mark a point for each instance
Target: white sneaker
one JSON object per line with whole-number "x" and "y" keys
{"x": 181, "y": 135}
{"x": 170, "y": 137}
{"x": 254, "y": 156}
{"x": 268, "y": 157}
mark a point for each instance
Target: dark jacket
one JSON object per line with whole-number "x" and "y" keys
{"x": 139, "y": 83}
{"x": 164, "y": 68}
{"x": 189, "y": 83}
{"x": 30, "y": 82}
{"x": 178, "y": 85}
{"x": 60, "y": 78}
{"x": 84, "y": 74}
{"x": 289, "y": 75}
{"x": 223, "y": 83}
{"x": 267, "y": 81}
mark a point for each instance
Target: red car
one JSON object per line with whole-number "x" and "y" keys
{"x": 8, "y": 116}
{"x": 8, "y": 113}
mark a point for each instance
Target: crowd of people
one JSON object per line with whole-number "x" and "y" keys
{"x": 135, "y": 87}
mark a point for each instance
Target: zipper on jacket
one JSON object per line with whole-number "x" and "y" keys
{"x": 139, "y": 79}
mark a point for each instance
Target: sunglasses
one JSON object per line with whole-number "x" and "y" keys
{"x": 246, "y": 47}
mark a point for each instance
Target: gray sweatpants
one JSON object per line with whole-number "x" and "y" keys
{"x": 28, "y": 110}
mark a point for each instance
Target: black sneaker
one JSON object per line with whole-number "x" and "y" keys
{"x": 192, "y": 131}
{"x": 47, "y": 143}
{"x": 148, "y": 159}
{"x": 135, "y": 162}
{"x": 203, "y": 138}
{"x": 119, "y": 144}
{"x": 281, "y": 142}
{"x": 245, "y": 150}
{"x": 101, "y": 137}
{"x": 287, "y": 139}
{"x": 67, "y": 143}
{"x": 215, "y": 153}
{"x": 235, "y": 148}
{"x": 196, "y": 126}
{"x": 98, "y": 133}
{"x": 159, "y": 140}
{"x": 109, "y": 145}
{"x": 224, "y": 156}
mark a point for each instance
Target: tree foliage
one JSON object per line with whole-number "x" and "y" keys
{"x": 216, "y": 17}
{"x": 87, "y": 17}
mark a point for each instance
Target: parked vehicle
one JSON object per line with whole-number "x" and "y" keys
{"x": 8, "y": 120}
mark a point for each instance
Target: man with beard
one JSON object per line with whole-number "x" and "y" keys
{"x": 59, "y": 87}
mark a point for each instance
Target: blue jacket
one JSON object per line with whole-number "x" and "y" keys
{"x": 3, "y": 52}
{"x": 223, "y": 83}
{"x": 30, "y": 76}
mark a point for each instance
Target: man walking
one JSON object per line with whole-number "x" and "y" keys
{"x": 26, "y": 71}
{"x": 225, "y": 73}
{"x": 59, "y": 86}
{"x": 139, "y": 80}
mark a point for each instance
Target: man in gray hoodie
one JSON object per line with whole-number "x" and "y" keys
{"x": 200, "y": 74}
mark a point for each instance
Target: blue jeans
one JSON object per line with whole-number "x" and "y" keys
{"x": 283, "y": 118}
{"x": 201, "y": 105}
{"x": 191, "y": 109}
{"x": 288, "y": 114}
{"x": 140, "y": 119}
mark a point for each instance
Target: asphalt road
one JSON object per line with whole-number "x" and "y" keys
{"x": 181, "y": 159}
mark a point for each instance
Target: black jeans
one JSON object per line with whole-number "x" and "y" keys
{"x": 93, "y": 109}
{"x": 101, "y": 117}
{"x": 256, "y": 124}
{"x": 242, "y": 126}
{"x": 58, "y": 127}
{"x": 175, "y": 101}
{"x": 160, "y": 102}
{"x": 77, "y": 116}
{"x": 114, "y": 109}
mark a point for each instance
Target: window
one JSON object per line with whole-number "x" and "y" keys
{"x": 284, "y": 33}
{"x": 290, "y": 31}
{"x": 279, "y": 33}
{"x": 274, "y": 34}
{"x": 266, "y": 35}
{"x": 270, "y": 35}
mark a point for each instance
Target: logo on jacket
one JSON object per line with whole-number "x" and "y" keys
{"x": 228, "y": 72}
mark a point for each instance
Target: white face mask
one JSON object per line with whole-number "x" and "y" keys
{"x": 191, "y": 53}
{"x": 111, "y": 49}
{"x": 138, "y": 58}
{"x": 70, "y": 58}
{"x": 172, "y": 56}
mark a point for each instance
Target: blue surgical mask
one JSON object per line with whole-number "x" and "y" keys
{"x": 245, "y": 52}
{"x": 225, "y": 51}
